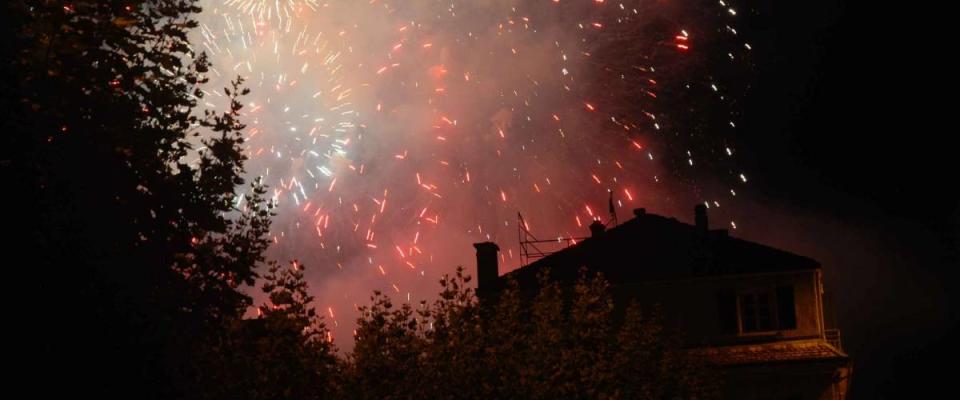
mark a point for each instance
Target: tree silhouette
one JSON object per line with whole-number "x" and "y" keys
{"x": 145, "y": 237}
{"x": 286, "y": 352}
{"x": 562, "y": 342}
{"x": 591, "y": 345}
{"x": 453, "y": 342}
{"x": 385, "y": 359}
{"x": 507, "y": 329}
{"x": 649, "y": 363}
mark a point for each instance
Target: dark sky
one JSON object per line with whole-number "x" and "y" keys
{"x": 844, "y": 133}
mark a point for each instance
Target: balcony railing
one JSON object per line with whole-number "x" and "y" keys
{"x": 833, "y": 337}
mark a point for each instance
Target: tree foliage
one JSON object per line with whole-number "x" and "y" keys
{"x": 141, "y": 218}
{"x": 284, "y": 353}
{"x": 558, "y": 342}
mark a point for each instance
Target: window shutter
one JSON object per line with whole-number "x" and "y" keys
{"x": 786, "y": 309}
{"x": 727, "y": 311}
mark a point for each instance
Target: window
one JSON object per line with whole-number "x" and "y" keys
{"x": 759, "y": 310}
{"x": 755, "y": 312}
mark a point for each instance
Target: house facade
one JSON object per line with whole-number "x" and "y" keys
{"x": 755, "y": 312}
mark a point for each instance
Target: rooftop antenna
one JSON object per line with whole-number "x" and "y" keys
{"x": 532, "y": 249}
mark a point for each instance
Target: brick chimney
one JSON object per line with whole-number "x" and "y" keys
{"x": 488, "y": 266}
{"x": 597, "y": 228}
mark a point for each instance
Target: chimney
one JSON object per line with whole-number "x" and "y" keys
{"x": 488, "y": 266}
{"x": 597, "y": 228}
{"x": 700, "y": 216}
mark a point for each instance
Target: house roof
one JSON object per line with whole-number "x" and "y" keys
{"x": 775, "y": 352}
{"x": 652, "y": 247}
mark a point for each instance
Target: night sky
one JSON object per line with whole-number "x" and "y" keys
{"x": 854, "y": 163}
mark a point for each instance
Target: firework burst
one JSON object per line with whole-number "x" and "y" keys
{"x": 273, "y": 10}
{"x": 396, "y": 133}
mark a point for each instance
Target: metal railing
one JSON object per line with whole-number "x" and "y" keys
{"x": 832, "y": 337}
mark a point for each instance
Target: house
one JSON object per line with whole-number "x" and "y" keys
{"x": 754, "y": 311}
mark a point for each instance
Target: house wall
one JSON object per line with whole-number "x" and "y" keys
{"x": 691, "y": 305}
{"x": 809, "y": 381}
